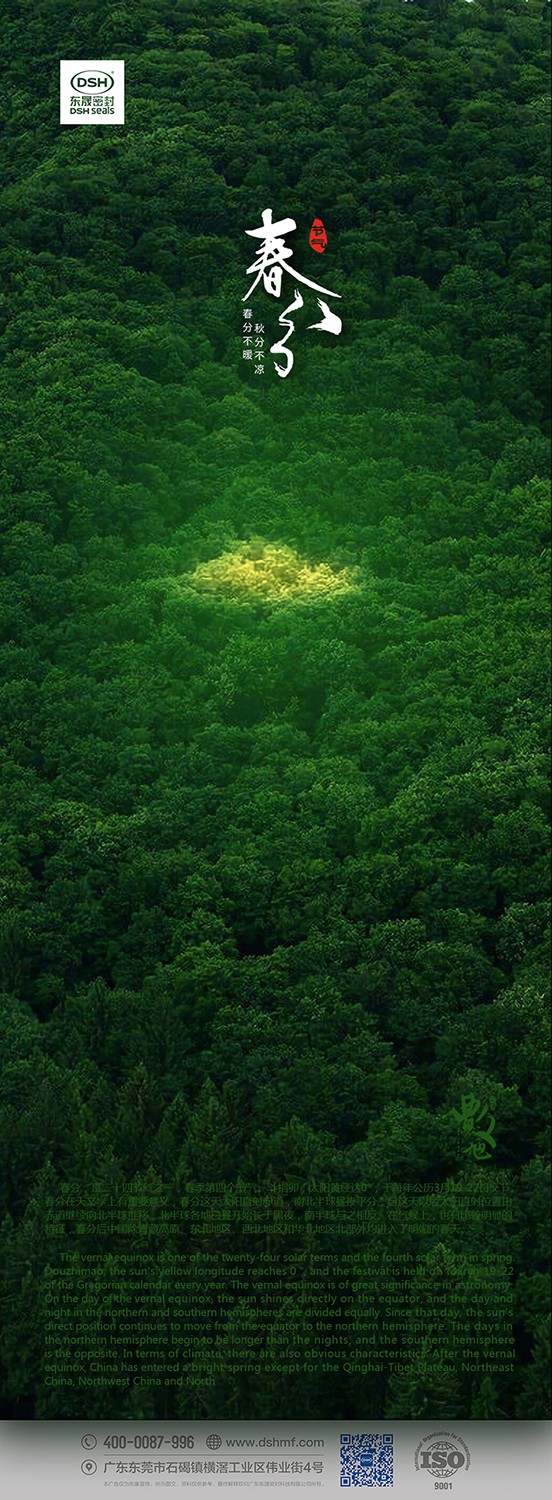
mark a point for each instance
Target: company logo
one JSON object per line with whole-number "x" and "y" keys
{"x": 92, "y": 84}
{"x": 443, "y": 1455}
{"x": 91, "y": 91}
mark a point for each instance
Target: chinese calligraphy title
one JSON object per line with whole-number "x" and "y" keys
{"x": 270, "y": 264}
{"x": 470, "y": 1118}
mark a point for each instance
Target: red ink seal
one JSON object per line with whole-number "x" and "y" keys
{"x": 318, "y": 238}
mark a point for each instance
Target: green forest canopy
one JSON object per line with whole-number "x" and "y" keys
{"x": 274, "y": 887}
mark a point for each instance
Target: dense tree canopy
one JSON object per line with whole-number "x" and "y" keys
{"x": 274, "y": 886}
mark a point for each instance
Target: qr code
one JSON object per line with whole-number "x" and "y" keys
{"x": 366, "y": 1458}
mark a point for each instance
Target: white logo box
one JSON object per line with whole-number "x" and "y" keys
{"x": 91, "y": 92}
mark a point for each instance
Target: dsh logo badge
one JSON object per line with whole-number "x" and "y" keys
{"x": 91, "y": 92}
{"x": 443, "y": 1455}
{"x": 91, "y": 83}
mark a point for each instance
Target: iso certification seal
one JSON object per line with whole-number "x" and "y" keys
{"x": 443, "y": 1455}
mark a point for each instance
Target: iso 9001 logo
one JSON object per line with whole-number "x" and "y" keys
{"x": 443, "y": 1455}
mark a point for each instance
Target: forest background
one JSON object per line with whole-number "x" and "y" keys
{"x": 274, "y": 875}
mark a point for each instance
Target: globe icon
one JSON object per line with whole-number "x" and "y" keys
{"x": 213, "y": 1440}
